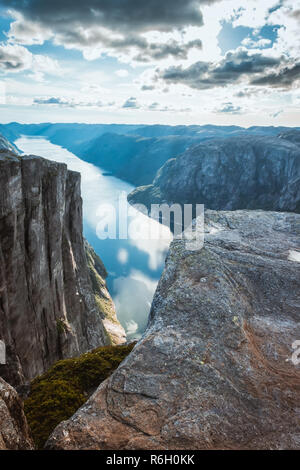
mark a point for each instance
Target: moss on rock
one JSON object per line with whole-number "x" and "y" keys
{"x": 56, "y": 395}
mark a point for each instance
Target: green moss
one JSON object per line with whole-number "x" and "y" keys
{"x": 57, "y": 395}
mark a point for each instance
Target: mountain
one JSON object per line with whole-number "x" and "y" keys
{"x": 53, "y": 300}
{"x": 134, "y": 158}
{"x": 132, "y": 152}
{"x": 214, "y": 368}
{"x": 257, "y": 172}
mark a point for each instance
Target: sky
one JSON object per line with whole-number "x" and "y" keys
{"x": 157, "y": 61}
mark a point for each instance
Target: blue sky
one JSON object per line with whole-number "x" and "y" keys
{"x": 220, "y": 62}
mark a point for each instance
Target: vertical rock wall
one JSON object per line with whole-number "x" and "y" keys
{"x": 47, "y": 305}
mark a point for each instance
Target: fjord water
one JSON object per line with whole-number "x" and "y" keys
{"x": 134, "y": 265}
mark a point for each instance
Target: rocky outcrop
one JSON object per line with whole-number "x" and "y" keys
{"x": 14, "y": 432}
{"x": 98, "y": 274}
{"x": 214, "y": 368}
{"x": 47, "y": 306}
{"x": 229, "y": 174}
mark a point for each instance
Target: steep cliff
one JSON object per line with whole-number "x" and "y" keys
{"x": 214, "y": 369}
{"x": 14, "y": 432}
{"x": 228, "y": 174}
{"x": 48, "y": 309}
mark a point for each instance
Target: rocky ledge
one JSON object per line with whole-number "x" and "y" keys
{"x": 214, "y": 369}
{"x": 48, "y": 309}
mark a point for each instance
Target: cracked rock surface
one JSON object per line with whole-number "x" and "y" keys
{"x": 213, "y": 369}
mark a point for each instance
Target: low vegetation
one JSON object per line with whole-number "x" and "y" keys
{"x": 56, "y": 395}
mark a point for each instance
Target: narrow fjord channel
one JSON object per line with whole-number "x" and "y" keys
{"x": 134, "y": 265}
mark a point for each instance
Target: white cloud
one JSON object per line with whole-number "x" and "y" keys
{"x": 122, "y": 73}
{"x": 78, "y": 101}
{"x": 27, "y": 32}
{"x": 14, "y": 58}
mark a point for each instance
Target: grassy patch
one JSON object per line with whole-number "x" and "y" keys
{"x": 57, "y": 395}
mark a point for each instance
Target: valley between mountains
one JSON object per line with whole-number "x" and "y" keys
{"x": 213, "y": 363}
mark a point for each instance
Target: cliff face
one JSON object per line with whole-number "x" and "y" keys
{"x": 47, "y": 306}
{"x": 229, "y": 174}
{"x": 214, "y": 369}
{"x": 14, "y": 432}
{"x": 98, "y": 274}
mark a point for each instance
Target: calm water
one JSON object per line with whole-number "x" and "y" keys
{"x": 134, "y": 265}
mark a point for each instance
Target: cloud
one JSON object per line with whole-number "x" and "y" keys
{"x": 71, "y": 102}
{"x": 276, "y": 114}
{"x": 296, "y": 14}
{"x": 147, "y": 87}
{"x": 118, "y": 28}
{"x": 283, "y": 78}
{"x": 251, "y": 43}
{"x": 14, "y": 58}
{"x": 154, "y": 105}
{"x": 153, "y": 51}
{"x": 240, "y": 65}
{"x": 131, "y": 103}
{"x": 126, "y": 15}
{"x": 229, "y": 108}
{"x": 52, "y": 100}
{"x": 122, "y": 73}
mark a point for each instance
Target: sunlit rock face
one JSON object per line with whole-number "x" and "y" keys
{"x": 98, "y": 274}
{"x": 14, "y": 432}
{"x": 48, "y": 309}
{"x": 214, "y": 369}
{"x": 257, "y": 172}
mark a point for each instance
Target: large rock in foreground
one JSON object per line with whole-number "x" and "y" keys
{"x": 14, "y": 432}
{"x": 214, "y": 368}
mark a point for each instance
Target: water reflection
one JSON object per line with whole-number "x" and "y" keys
{"x": 134, "y": 265}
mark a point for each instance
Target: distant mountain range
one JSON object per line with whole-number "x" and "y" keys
{"x": 132, "y": 152}
{"x": 245, "y": 172}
